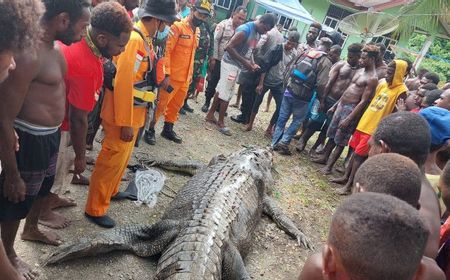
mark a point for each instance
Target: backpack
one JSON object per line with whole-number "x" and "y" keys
{"x": 303, "y": 77}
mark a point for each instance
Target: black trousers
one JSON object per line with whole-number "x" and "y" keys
{"x": 212, "y": 83}
{"x": 248, "y": 99}
{"x": 277, "y": 94}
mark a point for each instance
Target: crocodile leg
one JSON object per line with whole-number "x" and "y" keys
{"x": 142, "y": 240}
{"x": 233, "y": 267}
{"x": 272, "y": 210}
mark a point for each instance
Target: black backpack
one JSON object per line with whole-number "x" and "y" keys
{"x": 303, "y": 76}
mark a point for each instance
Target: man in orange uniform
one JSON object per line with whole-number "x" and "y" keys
{"x": 179, "y": 62}
{"x": 124, "y": 109}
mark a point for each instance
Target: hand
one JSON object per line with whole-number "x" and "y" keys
{"x": 126, "y": 134}
{"x": 259, "y": 89}
{"x": 401, "y": 105}
{"x": 16, "y": 145}
{"x": 254, "y": 67}
{"x": 165, "y": 83}
{"x": 345, "y": 123}
{"x": 79, "y": 165}
{"x": 14, "y": 188}
{"x": 331, "y": 110}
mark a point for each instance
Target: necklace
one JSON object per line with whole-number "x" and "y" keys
{"x": 91, "y": 44}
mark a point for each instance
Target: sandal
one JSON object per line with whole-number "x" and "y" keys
{"x": 225, "y": 130}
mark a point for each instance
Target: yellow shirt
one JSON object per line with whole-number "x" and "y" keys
{"x": 131, "y": 66}
{"x": 383, "y": 103}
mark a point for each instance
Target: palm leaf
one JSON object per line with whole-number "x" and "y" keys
{"x": 422, "y": 14}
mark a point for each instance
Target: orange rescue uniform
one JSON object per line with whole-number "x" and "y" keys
{"x": 179, "y": 63}
{"x": 118, "y": 111}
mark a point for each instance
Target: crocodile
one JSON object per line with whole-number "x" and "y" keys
{"x": 188, "y": 167}
{"x": 207, "y": 229}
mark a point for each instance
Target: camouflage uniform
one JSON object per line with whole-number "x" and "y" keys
{"x": 203, "y": 52}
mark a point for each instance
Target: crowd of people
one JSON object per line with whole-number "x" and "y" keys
{"x": 69, "y": 68}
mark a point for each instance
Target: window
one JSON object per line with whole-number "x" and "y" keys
{"x": 284, "y": 21}
{"x": 334, "y": 15}
{"x": 387, "y": 41}
{"x": 334, "y": 23}
{"x": 226, "y": 4}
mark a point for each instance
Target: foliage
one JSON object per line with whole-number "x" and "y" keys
{"x": 438, "y": 52}
{"x": 422, "y": 14}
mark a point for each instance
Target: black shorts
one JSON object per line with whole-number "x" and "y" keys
{"x": 36, "y": 161}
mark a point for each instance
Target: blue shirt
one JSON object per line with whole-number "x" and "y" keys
{"x": 245, "y": 49}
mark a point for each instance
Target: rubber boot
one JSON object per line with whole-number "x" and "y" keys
{"x": 149, "y": 136}
{"x": 169, "y": 134}
{"x": 187, "y": 108}
{"x": 205, "y": 107}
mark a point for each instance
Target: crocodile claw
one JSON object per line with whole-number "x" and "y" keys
{"x": 304, "y": 241}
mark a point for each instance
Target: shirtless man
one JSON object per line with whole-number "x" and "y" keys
{"x": 380, "y": 65}
{"x": 34, "y": 104}
{"x": 404, "y": 184}
{"x": 340, "y": 77}
{"x": 16, "y": 15}
{"x": 348, "y": 110}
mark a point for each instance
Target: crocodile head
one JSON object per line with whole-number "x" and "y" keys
{"x": 258, "y": 161}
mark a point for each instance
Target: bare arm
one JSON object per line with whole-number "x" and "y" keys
{"x": 324, "y": 67}
{"x": 334, "y": 74}
{"x": 13, "y": 92}
{"x": 235, "y": 41}
{"x": 78, "y": 131}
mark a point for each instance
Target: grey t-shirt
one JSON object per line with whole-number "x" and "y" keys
{"x": 276, "y": 74}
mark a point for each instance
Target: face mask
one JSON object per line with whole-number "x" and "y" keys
{"x": 196, "y": 21}
{"x": 162, "y": 35}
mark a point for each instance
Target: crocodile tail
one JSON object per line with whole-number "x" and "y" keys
{"x": 140, "y": 239}
{"x": 87, "y": 246}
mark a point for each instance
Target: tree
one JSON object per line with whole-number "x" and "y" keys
{"x": 438, "y": 57}
{"x": 422, "y": 14}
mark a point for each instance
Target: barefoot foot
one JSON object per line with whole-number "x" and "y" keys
{"x": 22, "y": 268}
{"x": 343, "y": 191}
{"x": 319, "y": 160}
{"x": 247, "y": 128}
{"x": 54, "y": 220}
{"x": 45, "y": 237}
{"x": 55, "y": 201}
{"x": 79, "y": 179}
{"x": 340, "y": 180}
{"x": 211, "y": 121}
{"x": 325, "y": 170}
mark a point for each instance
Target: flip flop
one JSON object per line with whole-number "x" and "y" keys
{"x": 225, "y": 130}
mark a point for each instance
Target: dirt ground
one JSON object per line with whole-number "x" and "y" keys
{"x": 304, "y": 194}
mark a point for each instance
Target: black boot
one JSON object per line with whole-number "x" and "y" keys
{"x": 205, "y": 107}
{"x": 187, "y": 108}
{"x": 169, "y": 134}
{"x": 149, "y": 136}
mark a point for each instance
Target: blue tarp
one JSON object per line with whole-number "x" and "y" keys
{"x": 288, "y": 8}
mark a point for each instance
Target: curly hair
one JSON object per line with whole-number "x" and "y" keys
{"x": 355, "y": 48}
{"x": 112, "y": 18}
{"x": 371, "y": 50}
{"x": 73, "y": 7}
{"x": 19, "y": 24}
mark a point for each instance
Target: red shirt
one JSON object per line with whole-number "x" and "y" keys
{"x": 84, "y": 77}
